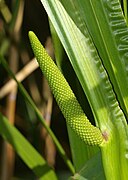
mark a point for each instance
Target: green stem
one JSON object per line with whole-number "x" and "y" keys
{"x": 39, "y": 115}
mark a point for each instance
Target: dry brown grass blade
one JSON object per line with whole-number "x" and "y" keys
{"x": 20, "y": 76}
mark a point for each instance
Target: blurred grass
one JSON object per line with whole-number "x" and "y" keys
{"x": 30, "y": 127}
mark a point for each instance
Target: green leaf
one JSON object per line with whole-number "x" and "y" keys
{"x": 107, "y": 26}
{"x": 25, "y": 150}
{"x": 95, "y": 82}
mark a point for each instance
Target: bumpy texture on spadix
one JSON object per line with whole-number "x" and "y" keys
{"x": 64, "y": 96}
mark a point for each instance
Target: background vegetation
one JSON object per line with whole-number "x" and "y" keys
{"x": 94, "y": 35}
{"x": 16, "y": 48}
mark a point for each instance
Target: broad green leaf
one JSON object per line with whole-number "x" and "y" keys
{"x": 107, "y": 26}
{"x": 25, "y": 150}
{"x": 96, "y": 85}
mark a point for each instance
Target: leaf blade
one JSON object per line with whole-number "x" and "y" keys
{"x": 96, "y": 85}
{"x": 25, "y": 150}
{"x": 109, "y": 32}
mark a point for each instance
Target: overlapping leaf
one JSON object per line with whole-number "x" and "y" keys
{"x": 25, "y": 150}
{"x": 94, "y": 79}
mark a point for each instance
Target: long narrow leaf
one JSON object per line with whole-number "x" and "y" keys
{"x": 25, "y": 150}
{"x": 95, "y": 82}
{"x": 107, "y": 26}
